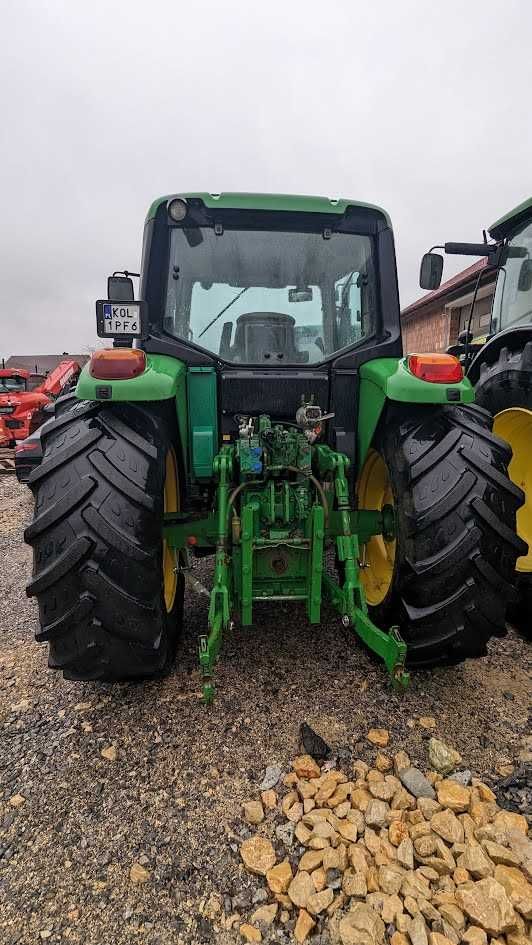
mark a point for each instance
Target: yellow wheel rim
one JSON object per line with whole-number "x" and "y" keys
{"x": 378, "y": 555}
{"x": 515, "y": 426}
{"x": 171, "y": 504}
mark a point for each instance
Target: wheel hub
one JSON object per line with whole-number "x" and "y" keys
{"x": 515, "y": 426}
{"x": 375, "y": 492}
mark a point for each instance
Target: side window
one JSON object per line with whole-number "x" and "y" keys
{"x": 513, "y": 300}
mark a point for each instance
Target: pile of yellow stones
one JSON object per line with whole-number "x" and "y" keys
{"x": 390, "y": 854}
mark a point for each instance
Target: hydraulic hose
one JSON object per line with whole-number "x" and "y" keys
{"x": 319, "y": 488}
{"x": 300, "y": 472}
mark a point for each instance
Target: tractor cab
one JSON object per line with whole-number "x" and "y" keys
{"x": 269, "y": 293}
{"x": 512, "y": 305}
{"x": 13, "y": 381}
{"x": 279, "y": 301}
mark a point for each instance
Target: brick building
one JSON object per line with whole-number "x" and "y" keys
{"x": 434, "y": 321}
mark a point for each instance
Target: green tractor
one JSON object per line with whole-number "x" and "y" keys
{"x": 255, "y": 405}
{"x": 500, "y": 365}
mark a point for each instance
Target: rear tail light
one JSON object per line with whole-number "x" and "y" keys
{"x": 26, "y": 447}
{"x": 117, "y": 364}
{"x": 437, "y": 368}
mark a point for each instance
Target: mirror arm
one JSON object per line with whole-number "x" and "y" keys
{"x": 493, "y": 251}
{"x": 469, "y": 249}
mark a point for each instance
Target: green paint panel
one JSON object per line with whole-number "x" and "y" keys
{"x": 286, "y": 202}
{"x": 161, "y": 380}
{"x": 202, "y": 420}
{"x": 398, "y": 383}
{"x": 498, "y": 229}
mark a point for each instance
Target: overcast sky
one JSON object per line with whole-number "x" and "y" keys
{"x": 422, "y": 108}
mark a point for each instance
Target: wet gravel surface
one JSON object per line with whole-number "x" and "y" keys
{"x": 170, "y": 801}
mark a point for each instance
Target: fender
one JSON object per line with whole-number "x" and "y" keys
{"x": 390, "y": 379}
{"x": 164, "y": 379}
{"x": 160, "y": 381}
{"x": 513, "y": 338}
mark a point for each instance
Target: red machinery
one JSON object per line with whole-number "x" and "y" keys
{"x": 23, "y": 397}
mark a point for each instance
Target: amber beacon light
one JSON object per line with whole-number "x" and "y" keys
{"x": 117, "y": 364}
{"x": 438, "y": 368}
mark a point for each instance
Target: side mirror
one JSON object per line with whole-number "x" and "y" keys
{"x": 465, "y": 337}
{"x": 120, "y": 289}
{"x": 431, "y": 271}
{"x": 524, "y": 283}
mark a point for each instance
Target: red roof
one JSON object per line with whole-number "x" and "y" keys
{"x": 14, "y": 372}
{"x": 42, "y": 363}
{"x": 459, "y": 281}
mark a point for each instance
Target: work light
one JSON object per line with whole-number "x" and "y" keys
{"x": 177, "y": 210}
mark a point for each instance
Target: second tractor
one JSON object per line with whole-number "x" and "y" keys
{"x": 500, "y": 365}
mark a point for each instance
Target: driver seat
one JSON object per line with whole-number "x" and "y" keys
{"x": 265, "y": 336}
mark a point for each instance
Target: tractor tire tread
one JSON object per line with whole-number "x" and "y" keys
{"x": 492, "y": 520}
{"x": 64, "y": 563}
{"x": 119, "y": 481}
{"x": 81, "y": 408}
{"x": 113, "y": 537}
{"x": 64, "y": 455}
{"x": 97, "y": 543}
{"x": 499, "y": 479}
{"x": 456, "y": 540}
{"x": 506, "y": 382}
{"x": 58, "y": 510}
{"x": 115, "y": 425}
{"x": 70, "y": 619}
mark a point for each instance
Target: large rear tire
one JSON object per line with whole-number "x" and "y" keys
{"x": 505, "y": 389}
{"x": 110, "y": 597}
{"x": 446, "y": 577}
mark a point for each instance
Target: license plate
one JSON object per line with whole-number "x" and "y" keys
{"x": 124, "y": 320}
{"x": 121, "y": 318}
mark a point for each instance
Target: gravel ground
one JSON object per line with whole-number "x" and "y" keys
{"x": 171, "y": 800}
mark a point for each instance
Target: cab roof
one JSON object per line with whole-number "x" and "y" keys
{"x": 505, "y": 224}
{"x": 14, "y": 372}
{"x": 254, "y": 201}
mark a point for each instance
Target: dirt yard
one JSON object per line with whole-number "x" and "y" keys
{"x": 171, "y": 799}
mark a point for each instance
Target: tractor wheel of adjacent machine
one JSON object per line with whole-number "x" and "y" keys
{"x": 446, "y": 575}
{"x": 505, "y": 389}
{"x": 110, "y": 597}
{"x": 65, "y": 402}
